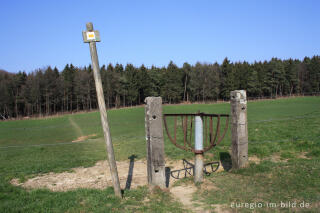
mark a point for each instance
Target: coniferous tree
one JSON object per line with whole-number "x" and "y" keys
{"x": 48, "y": 91}
{"x": 226, "y": 79}
{"x": 314, "y": 72}
{"x": 131, "y": 75}
{"x": 186, "y": 81}
{"x": 173, "y": 87}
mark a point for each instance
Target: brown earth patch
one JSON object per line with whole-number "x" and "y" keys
{"x": 97, "y": 177}
{"x": 254, "y": 159}
{"x": 220, "y": 168}
{"x": 82, "y": 138}
{"x": 277, "y": 158}
{"x": 208, "y": 185}
{"x": 132, "y": 173}
{"x": 184, "y": 194}
{"x": 303, "y": 155}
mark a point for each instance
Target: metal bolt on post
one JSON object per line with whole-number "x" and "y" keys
{"x": 92, "y": 36}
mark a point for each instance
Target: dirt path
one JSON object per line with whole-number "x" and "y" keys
{"x": 132, "y": 173}
{"x": 75, "y": 126}
{"x": 184, "y": 194}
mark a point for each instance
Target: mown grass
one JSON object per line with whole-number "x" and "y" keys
{"x": 14, "y": 199}
{"x": 285, "y": 128}
{"x": 296, "y": 181}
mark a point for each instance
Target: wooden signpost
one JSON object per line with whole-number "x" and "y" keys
{"x": 92, "y": 36}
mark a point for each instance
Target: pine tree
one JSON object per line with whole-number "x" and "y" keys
{"x": 172, "y": 89}
{"x": 226, "y": 79}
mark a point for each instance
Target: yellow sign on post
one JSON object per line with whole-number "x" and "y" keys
{"x": 89, "y": 36}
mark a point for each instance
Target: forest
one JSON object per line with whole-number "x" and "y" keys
{"x": 49, "y": 91}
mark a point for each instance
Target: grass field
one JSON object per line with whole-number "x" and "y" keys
{"x": 284, "y": 135}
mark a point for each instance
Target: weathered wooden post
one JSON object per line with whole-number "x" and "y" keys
{"x": 92, "y": 36}
{"x": 155, "y": 143}
{"x": 239, "y": 129}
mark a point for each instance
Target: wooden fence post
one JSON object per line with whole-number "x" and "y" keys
{"x": 239, "y": 129}
{"x": 155, "y": 143}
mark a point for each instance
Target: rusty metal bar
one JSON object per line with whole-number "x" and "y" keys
{"x": 175, "y": 128}
{"x": 186, "y": 126}
{"x": 205, "y": 133}
{"x": 224, "y": 132}
{"x": 197, "y": 114}
{"x": 190, "y": 141}
{"x": 170, "y": 137}
{"x": 213, "y": 139}
{"x": 185, "y": 136}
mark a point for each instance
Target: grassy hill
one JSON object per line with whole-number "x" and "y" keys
{"x": 283, "y": 129}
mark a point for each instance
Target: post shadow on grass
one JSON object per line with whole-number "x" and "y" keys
{"x": 226, "y": 161}
{"x": 130, "y": 171}
{"x": 167, "y": 173}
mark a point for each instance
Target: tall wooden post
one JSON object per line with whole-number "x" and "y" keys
{"x": 239, "y": 129}
{"x": 155, "y": 143}
{"x": 91, "y": 37}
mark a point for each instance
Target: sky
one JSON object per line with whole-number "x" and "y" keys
{"x": 35, "y": 34}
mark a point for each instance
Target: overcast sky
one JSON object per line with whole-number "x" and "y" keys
{"x": 35, "y": 34}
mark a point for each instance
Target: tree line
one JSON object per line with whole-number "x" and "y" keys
{"x": 48, "y": 91}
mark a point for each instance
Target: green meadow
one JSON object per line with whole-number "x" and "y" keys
{"x": 284, "y": 134}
